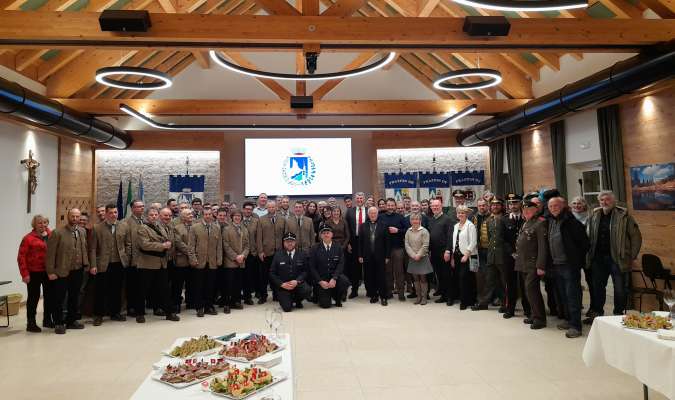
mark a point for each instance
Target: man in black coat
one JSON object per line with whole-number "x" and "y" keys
{"x": 355, "y": 217}
{"x": 374, "y": 251}
{"x": 440, "y": 226}
{"x": 394, "y": 270}
{"x": 568, "y": 245}
{"x": 326, "y": 264}
{"x": 288, "y": 273}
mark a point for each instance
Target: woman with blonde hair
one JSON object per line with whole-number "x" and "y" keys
{"x": 461, "y": 250}
{"x": 419, "y": 264}
{"x": 31, "y": 260}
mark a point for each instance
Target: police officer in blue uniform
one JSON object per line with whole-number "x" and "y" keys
{"x": 288, "y": 273}
{"x": 326, "y": 263}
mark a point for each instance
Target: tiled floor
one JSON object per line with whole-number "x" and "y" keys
{"x": 361, "y": 351}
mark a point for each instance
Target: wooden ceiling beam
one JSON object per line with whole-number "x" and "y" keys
{"x": 343, "y": 8}
{"x": 424, "y": 75}
{"x": 663, "y": 8}
{"x": 278, "y": 7}
{"x": 270, "y": 84}
{"x": 531, "y": 70}
{"x": 27, "y": 57}
{"x": 550, "y": 60}
{"x": 327, "y": 86}
{"x": 180, "y": 31}
{"x": 110, "y": 107}
{"x": 622, "y": 8}
{"x": 426, "y": 8}
{"x": 48, "y": 68}
{"x": 168, "y": 6}
{"x": 11, "y": 4}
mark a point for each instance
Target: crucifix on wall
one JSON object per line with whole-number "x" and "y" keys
{"x": 31, "y": 165}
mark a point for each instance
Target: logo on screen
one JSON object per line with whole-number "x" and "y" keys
{"x": 299, "y": 168}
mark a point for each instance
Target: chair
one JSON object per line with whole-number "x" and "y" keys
{"x": 4, "y": 300}
{"x": 652, "y": 270}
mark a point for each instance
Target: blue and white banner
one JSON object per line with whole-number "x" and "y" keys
{"x": 435, "y": 185}
{"x": 399, "y": 185}
{"x": 472, "y": 183}
{"x": 184, "y": 188}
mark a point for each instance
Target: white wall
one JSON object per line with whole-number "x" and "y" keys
{"x": 15, "y": 141}
{"x": 582, "y": 147}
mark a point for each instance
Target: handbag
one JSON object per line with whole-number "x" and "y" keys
{"x": 473, "y": 263}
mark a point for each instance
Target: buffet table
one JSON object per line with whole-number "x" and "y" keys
{"x": 638, "y": 353}
{"x": 151, "y": 389}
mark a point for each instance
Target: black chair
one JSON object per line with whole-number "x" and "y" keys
{"x": 652, "y": 270}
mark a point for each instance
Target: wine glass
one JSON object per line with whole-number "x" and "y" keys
{"x": 669, "y": 299}
{"x": 277, "y": 318}
{"x": 269, "y": 317}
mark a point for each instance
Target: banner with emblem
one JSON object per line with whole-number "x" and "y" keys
{"x": 435, "y": 185}
{"x": 472, "y": 183}
{"x": 401, "y": 184}
{"x": 184, "y": 188}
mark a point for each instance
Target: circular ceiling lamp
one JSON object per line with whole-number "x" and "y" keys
{"x": 525, "y": 5}
{"x": 103, "y": 76}
{"x": 491, "y": 78}
{"x": 220, "y": 60}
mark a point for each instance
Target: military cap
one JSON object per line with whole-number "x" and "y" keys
{"x": 325, "y": 228}
{"x": 458, "y": 193}
{"x": 497, "y": 200}
{"x": 513, "y": 197}
{"x": 289, "y": 236}
{"x": 551, "y": 193}
{"x": 529, "y": 204}
{"x": 531, "y": 195}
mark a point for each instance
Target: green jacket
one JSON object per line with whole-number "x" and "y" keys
{"x": 626, "y": 238}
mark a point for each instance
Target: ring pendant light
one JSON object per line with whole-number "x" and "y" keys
{"x": 493, "y": 78}
{"x": 285, "y": 127}
{"x": 163, "y": 80}
{"x": 525, "y": 5}
{"x": 220, "y": 60}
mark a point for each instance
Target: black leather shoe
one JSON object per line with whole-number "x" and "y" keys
{"x": 299, "y": 305}
{"x": 33, "y": 328}
{"x": 98, "y": 321}
{"x": 200, "y": 312}
{"x": 528, "y": 321}
{"x": 248, "y": 302}
{"x": 338, "y": 304}
{"x": 462, "y": 307}
{"x": 450, "y": 303}
{"x": 226, "y": 309}
{"x": 262, "y": 301}
{"x": 478, "y": 307}
{"x": 60, "y": 329}
{"x": 140, "y": 319}
{"x": 131, "y": 313}
{"x": 353, "y": 294}
{"x": 172, "y": 317}
{"x": 118, "y": 317}
{"x": 440, "y": 300}
{"x": 412, "y": 295}
{"x": 48, "y": 324}
{"x": 401, "y": 296}
{"x": 74, "y": 325}
{"x": 159, "y": 313}
{"x": 537, "y": 325}
{"x": 384, "y": 302}
{"x": 502, "y": 310}
{"x": 374, "y": 300}
{"x": 212, "y": 311}
{"x": 237, "y": 306}
{"x": 507, "y": 315}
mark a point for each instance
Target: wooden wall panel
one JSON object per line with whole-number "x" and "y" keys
{"x": 537, "y": 160}
{"x": 648, "y": 137}
{"x": 76, "y": 179}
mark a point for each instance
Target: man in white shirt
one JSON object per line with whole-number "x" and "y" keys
{"x": 261, "y": 208}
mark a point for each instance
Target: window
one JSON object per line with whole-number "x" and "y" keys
{"x": 592, "y": 186}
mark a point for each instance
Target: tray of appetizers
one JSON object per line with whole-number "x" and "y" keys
{"x": 250, "y": 347}
{"x": 193, "y": 347}
{"x": 646, "y": 322}
{"x": 191, "y": 371}
{"x": 240, "y": 383}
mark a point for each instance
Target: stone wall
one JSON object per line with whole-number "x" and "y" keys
{"x": 155, "y": 166}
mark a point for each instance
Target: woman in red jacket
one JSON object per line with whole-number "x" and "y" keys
{"x": 31, "y": 260}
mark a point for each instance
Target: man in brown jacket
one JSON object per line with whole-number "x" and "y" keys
{"x": 207, "y": 245}
{"x": 236, "y": 248}
{"x": 179, "y": 246}
{"x": 271, "y": 228}
{"x": 66, "y": 258}
{"x": 130, "y": 226}
{"x": 252, "y": 270}
{"x": 108, "y": 258}
{"x": 302, "y": 227}
{"x": 153, "y": 246}
{"x": 179, "y": 276}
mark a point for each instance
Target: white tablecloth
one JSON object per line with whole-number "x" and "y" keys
{"x": 151, "y": 389}
{"x": 639, "y": 353}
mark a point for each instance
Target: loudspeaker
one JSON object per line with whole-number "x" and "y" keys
{"x": 124, "y": 20}
{"x": 302, "y": 102}
{"x": 486, "y": 26}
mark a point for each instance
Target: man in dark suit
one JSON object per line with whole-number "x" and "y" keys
{"x": 440, "y": 226}
{"x": 326, "y": 264}
{"x": 513, "y": 223}
{"x": 355, "y": 217}
{"x": 374, "y": 251}
{"x": 288, "y": 273}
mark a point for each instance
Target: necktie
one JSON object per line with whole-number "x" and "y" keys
{"x": 327, "y": 248}
{"x": 360, "y": 216}
{"x": 273, "y": 220}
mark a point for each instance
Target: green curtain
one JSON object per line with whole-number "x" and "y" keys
{"x": 514, "y": 155}
{"x": 559, "y": 157}
{"x": 611, "y": 151}
{"x": 497, "y": 167}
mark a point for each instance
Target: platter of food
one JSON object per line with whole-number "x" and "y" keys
{"x": 193, "y": 347}
{"x": 250, "y": 348}
{"x": 241, "y": 383}
{"x": 646, "y": 322}
{"x": 187, "y": 373}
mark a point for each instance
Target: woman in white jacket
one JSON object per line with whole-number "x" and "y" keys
{"x": 460, "y": 251}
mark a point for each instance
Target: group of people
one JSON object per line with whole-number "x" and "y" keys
{"x": 171, "y": 257}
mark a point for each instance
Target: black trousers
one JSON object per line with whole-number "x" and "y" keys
{"x": 297, "y": 295}
{"x": 264, "y": 276}
{"x": 442, "y": 272}
{"x": 466, "y": 281}
{"x": 552, "y": 297}
{"x": 108, "y": 290}
{"x": 250, "y": 277}
{"x": 154, "y": 282}
{"x": 353, "y": 268}
{"x": 37, "y": 280}
{"x": 131, "y": 281}
{"x": 210, "y": 287}
{"x": 58, "y": 289}
{"x": 178, "y": 277}
{"x": 522, "y": 293}
{"x": 509, "y": 283}
{"x": 374, "y": 277}
{"x": 533, "y": 292}
{"x": 230, "y": 284}
{"x": 324, "y": 296}
{"x": 197, "y": 281}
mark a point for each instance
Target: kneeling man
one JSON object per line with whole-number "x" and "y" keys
{"x": 326, "y": 263}
{"x": 288, "y": 273}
